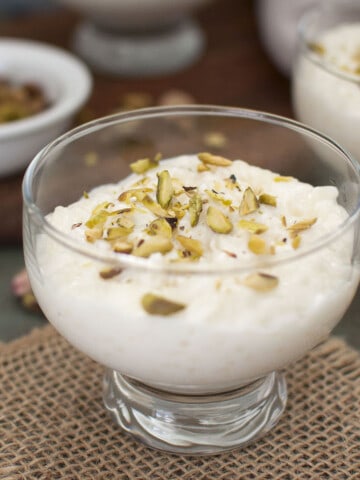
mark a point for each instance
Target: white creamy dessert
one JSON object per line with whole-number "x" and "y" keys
{"x": 326, "y": 85}
{"x": 199, "y": 331}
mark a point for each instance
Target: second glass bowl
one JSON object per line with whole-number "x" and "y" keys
{"x": 326, "y": 73}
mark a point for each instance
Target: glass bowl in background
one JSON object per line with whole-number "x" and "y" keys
{"x": 325, "y": 92}
{"x": 138, "y": 38}
{"x": 208, "y": 378}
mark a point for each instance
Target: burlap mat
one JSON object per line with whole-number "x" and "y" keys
{"x": 54, "y": 426}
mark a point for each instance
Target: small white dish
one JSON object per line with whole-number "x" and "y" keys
{"x": 66, "y": 83}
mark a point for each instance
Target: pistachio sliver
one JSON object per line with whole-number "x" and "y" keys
{"x": 100, "y": 207}
{"x": 178, "y": 210}
{"x": 93, "y": 234}
{"x": 122, "y": 246}
{"x": 295, "y": 243}
{"x": 249, "y": 202}
{"x": 217, "y": 221}
{"x": 281, "y": 178}
{"x": 98, "y": 219}
{"x": 154, "y": 207}
{"x": 160, "y": 226}
{"x": 301, "y": 226}
{"x": 195, "y": 208}
{"x": 216, "y": 160}
{"x": 143, "y": 165}
{"x": 218, "y": 197}
{"x": 202, "y": 168}
{"x": 262, "y": 282}
{"x": 268, "y": 199}
{"x": 155, "y": 244}
{"x": 157, "y": 305}
{"x": 191, "y": 245}
{"x": 113, "y": 233}
{"x": 165, "y": 189}
{"x": 253, "y": 227}
{"x": 257, "y": 245}
{"x": 138, "y": 193}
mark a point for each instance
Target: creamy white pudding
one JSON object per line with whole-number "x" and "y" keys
{"x": 326, "y": 85}
{"x": 222, "y": 324}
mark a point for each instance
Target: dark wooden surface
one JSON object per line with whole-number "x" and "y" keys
{"x": 233, "y": 71}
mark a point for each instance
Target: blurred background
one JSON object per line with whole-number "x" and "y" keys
{"x": 243, "y": 55}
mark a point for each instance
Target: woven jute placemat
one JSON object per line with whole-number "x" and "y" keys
{"x": 53, "y": 424}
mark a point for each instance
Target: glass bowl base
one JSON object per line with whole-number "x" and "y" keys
{"x": 131, "y": 54}
{"x": 195, "y": 424}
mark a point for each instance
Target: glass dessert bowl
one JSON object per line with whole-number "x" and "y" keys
{"x": 141, "y": 38}
{"x": 326, "y": 73}
{"x": 195, "y": 252}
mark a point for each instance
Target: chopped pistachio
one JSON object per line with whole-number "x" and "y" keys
{"x": 165, "y": 189}
{"x": 160, "y": 226}
{"x": 301, "y": 226}
{"x": 93, "y": 234}
{"x": 262, "y": 282}
{"x": 138, "y": 193}
{"x": 218, "y": 197}
{"x": 231, "y": 183}
{"x": 143, "y": 165}
{"x": 154, "y": 244}
{"x": 100, "y": 207}
{"x": 253, "y": 227}
{"x": 156, "y": 305}
{"x": 195, "y": 208}
{"x": 125, "y": 222}
{"x": 178, "y": 210}
{"x": 217, "y": 221}
{"x": 267, "y": 199}
{"x": 202, "y": 168}
{"x": 154, "y": 207}
{"x": 110, "y": 272}
{"x": 191, "y": 245}
{"x": 117, "y": 232}
{"x": 257, "y": 245}
{"x": 249, "y": 202}
{"x": 122, "y": 246}
{"x": 295, "y": 243}
{"x": 283, "y": 220}
{"x": 280, "y": 178}
{"x": 215, "y": 160}
{"x": 98, "y": 219}
{"x": 85, "y": 194}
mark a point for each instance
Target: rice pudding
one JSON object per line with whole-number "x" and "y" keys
{"x": 198, "y": 298}
{"x": 326, "y": 84}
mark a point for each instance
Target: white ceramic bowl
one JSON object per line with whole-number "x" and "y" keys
{"x": 66, "y": 83}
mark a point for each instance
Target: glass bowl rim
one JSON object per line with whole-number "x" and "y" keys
{"x": 314, "y": 13}
{"x": 129, "y": 261}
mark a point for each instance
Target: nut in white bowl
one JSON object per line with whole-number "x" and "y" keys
{"x": 66, "y": 84}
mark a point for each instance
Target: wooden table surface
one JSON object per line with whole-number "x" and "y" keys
{"x": 233, "y": 71}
